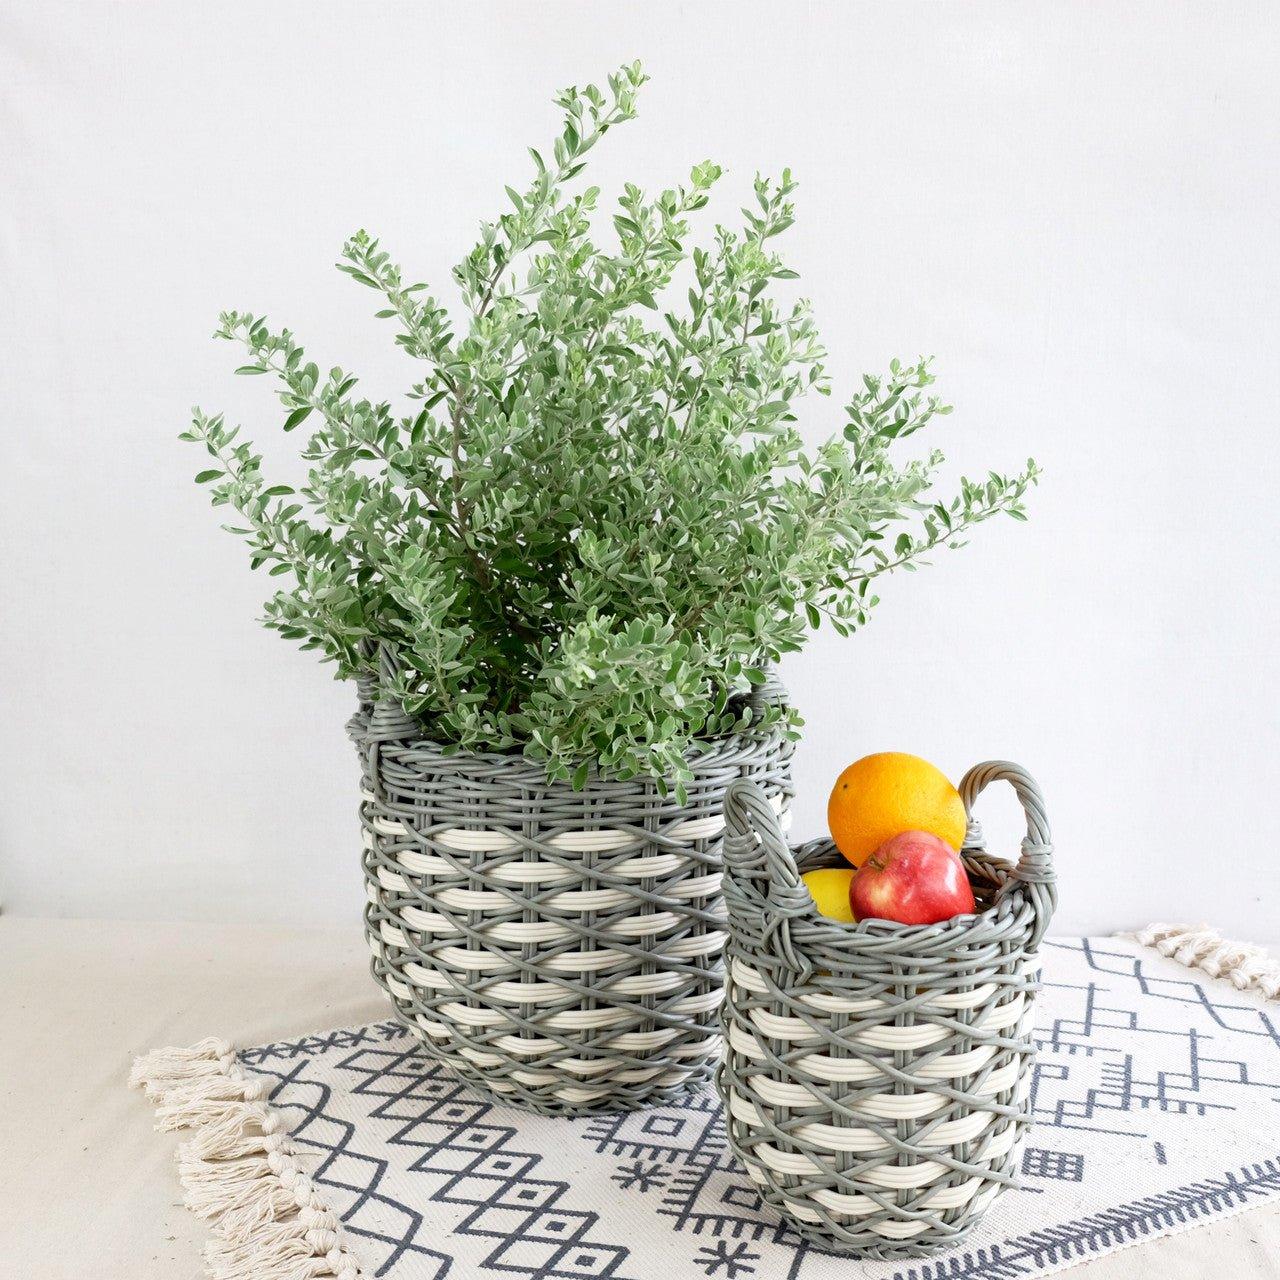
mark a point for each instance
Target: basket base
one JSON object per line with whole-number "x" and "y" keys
{"x": 497, "y": 1088}
{"x": 884, "y": 1251}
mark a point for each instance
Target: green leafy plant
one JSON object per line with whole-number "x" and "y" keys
{"x": 598, "y": 523}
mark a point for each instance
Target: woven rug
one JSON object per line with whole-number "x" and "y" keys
{"x": 351, "y": 1154}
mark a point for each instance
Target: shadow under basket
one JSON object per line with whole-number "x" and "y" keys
{"x": 876, "y": 1075}
{"x": 559, "y": 950}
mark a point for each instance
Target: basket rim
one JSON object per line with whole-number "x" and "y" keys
{"x": 1010, "y": 914}
{"x": 704, "y": 754}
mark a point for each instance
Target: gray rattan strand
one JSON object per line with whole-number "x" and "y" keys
{"x": 560, "y": 950}
{"x": 875, "y": 1075}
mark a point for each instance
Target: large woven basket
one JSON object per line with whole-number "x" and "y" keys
{"x": 875, "y": 1076}
{"x": 560, "y": 950}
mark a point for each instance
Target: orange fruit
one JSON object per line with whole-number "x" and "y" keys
{"x": 880, "y": 796}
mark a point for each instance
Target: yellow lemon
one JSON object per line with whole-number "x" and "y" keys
{"x": 880, "y": 796}
{"x": 829, "y": 889}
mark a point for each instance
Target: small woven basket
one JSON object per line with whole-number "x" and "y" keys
{"x": 875, "y": 1075}
{"x": 560, "y": 950}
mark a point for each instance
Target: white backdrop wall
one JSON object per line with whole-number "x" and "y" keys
{"x": 1074, "y": 207}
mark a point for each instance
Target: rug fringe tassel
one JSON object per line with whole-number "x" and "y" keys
{"x": 239, "y": 1169}
{"x": 1244, "y": 964}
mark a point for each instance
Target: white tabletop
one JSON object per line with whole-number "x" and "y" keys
{"x": 88, "y": 1190}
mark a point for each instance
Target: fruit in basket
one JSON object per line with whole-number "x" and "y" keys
{"x": 879, "y": 796}
{"x": 913, "y": 878}
{"x": 829, "y": 887}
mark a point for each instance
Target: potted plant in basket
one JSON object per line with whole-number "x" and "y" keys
{"x": 560, "y": 581}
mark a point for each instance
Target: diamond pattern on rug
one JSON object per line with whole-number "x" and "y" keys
{"x": 464, "y": 1161}
{"x": 1155, "y": 1097}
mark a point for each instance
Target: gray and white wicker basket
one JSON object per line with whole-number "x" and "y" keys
{"x": 560, "y": 950}
{"x": 875, "y": 1075}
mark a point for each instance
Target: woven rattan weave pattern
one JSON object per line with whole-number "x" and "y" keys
{"x": 560, "y": 950}
{"x": 875, "y": 1076}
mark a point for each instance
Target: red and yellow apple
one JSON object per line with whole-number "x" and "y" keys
{"x": 913, "y": 878}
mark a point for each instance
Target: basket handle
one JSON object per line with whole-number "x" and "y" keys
{"x": 754, "y": 845}
{"x": 759, "y": 864}
{"x": 1034, "y": 874}
{"x": 379, "y": 717}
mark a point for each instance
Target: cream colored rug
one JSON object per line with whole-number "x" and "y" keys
{"x": 351, "y": 1154}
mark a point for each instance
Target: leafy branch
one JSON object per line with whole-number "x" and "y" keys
{"x": 597, "y": 523}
